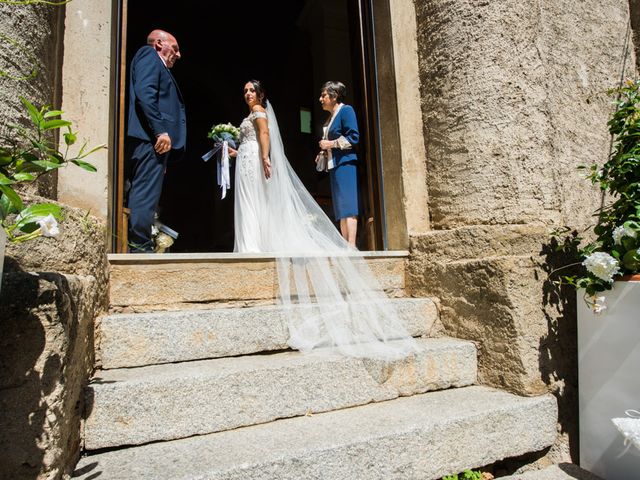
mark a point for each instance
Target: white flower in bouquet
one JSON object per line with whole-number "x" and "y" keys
{"x": 49, "y": 226}
{"x": 602, "y": 265}
{"x": 622, "y": 231}
{"x": 222, "y": 131}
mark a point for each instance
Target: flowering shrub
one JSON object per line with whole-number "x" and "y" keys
{"x": 26, "y": 154}
{"x": 616, "y": 250}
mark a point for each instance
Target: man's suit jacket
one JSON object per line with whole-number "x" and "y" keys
{"x": 344, "y": 125}
{"x": 155, "y": 102}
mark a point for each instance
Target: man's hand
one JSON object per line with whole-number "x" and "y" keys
{"x": 163, "y": 144}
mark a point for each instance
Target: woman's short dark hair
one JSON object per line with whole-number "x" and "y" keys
{"x": 335, "y": 89}
{"x": 260, "y": 91}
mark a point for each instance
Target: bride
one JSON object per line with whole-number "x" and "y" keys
{"x": 332, "y": 297}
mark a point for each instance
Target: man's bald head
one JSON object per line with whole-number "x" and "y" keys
{"x": 158, "y": 35}
{"x": 166, "y": 45}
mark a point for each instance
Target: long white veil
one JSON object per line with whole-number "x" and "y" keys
{"x": 333, "y": 297}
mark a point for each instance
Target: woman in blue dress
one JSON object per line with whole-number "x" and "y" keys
{"x": 340, "y": 137}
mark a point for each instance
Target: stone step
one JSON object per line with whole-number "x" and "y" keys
{"x": 144, "y": 282}
{"x": 164, "y": 402}
{"x": 420, "y": 437}
{"x": 129, "y": 340}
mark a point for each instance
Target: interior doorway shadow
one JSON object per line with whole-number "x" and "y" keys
{"x": 223, "y": 46}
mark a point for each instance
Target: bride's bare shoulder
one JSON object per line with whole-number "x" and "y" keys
{"x": 258, "y": 108}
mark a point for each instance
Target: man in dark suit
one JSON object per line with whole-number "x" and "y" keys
{"x": 156, "y": 129}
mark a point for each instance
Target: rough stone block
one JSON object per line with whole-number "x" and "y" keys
{"x": 80, "y": 249}
{"x": 492, "y": 287}
{"x": 495, "y": 288}
{"x": 46, "y": 357}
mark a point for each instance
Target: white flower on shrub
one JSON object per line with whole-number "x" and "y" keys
{"x": 49, "y": 226}
{"x": 622, "y": 231}
{"x": 602, "y": 265}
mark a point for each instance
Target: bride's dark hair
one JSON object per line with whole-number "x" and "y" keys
{"x": 260, "y": 91}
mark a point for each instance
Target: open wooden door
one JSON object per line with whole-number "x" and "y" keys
{"x": 371, "y": 224}
{"x": 119, "y": 244}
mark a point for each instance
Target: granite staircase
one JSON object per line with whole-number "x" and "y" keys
{"x": 195, "y": 381}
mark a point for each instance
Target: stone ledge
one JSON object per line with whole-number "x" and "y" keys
{"x": 129, "y": 340}
{"x": 159, "y": 258}
{"x": 161, "y": 282}
{"x": 424, "y": 436}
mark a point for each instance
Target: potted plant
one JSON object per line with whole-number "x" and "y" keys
{"x": 609, "y": 298}
{"x": 26, "y": 153}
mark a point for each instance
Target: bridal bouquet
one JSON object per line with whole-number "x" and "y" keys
{"x": 224, "y": 135}
{"x": 224, "y": 132}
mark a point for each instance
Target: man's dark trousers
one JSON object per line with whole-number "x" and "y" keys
{"x": 147, "y": 168}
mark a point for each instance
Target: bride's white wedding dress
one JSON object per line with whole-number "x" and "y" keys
{"x": 334, "y": 300}
{"x": 250, "y": 191}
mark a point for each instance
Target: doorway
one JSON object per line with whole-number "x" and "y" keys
{"x": 293, "y": 46}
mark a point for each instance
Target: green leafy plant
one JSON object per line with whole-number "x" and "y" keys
{"x": 616, "y": 249}
{"x": 466, "y": 475}
{"x": 26, "y": 153}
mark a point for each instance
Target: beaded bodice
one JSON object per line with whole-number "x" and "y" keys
{"x": 248, "y": 129}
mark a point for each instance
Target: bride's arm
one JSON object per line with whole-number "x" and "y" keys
{"x": 263, "y": 140}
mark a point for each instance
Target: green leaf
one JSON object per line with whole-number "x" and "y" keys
{"x": 55, "y": 157}
{"x": 34, "y": 113}
{"x": 631, "y": 260}
{"x": 36, "y": 212}
{"x": 29, "y": 157}
{"x": 6, "y": 207}
{"x": 58, "y": 123}
{"x": 70, "y": 138}
{"x": 53, "y": 113}
{"x": 628, "y": 243}
{"x": 43, "y": 147}
{"x": 13, "y": 197}
{"x": 85, "y": 165}
{"x": 24, "y": 177}
{"x": 47, "y": 165}
{"x": 83, "y": 154}
{"x": 22, "y": 166}
{"x": 5, "y": 157}
{"x": 4, "y": 180}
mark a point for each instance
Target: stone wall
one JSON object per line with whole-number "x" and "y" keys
{"x": 46, "y": 355}
{"x": 31, "y": 41}
{"x": 52, "y": 291}
{"x": 513, "y": 100}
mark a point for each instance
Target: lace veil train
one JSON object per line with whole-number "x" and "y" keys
{"x": 334, "y": 300}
